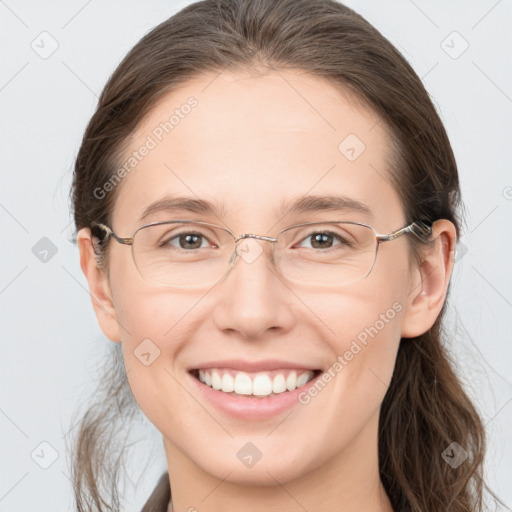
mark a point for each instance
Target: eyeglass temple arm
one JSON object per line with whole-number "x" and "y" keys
{"x": 421, "y": 229}
{"x": 109, "y": 233}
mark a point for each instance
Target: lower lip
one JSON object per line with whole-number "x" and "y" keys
{"x": 246, "y": 408}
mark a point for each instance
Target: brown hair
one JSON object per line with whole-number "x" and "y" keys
{"x": 425, "y": 408}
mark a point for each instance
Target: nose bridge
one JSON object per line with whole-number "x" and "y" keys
{"x": 253, "y": 300}
{"x": 249, "y": 250}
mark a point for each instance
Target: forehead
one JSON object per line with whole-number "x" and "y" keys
{"x": 253, "y": 145}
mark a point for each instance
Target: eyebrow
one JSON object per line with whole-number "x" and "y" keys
{"x": 302, "y": 204}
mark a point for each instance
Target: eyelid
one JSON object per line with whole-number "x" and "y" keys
{"x": 201, "y": 230}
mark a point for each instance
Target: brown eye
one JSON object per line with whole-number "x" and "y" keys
{"x": 325, "y": 240}
{"x": 185, "y": 241}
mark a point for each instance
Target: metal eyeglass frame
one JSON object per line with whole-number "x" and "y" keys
{"x": 419, "y": 228}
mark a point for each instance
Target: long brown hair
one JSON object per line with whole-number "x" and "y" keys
{"x": 425, "y": 408}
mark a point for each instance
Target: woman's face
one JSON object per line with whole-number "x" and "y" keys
{"x": 251, "y": 143}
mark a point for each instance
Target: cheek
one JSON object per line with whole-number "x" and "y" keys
{"x": 148, "y": 311}
{"x": 364, "y": 352}
{"x": 158, "y": 325}
{"x": 368, "y": 353}
{"x": 149, "y": 355}
{"x": 366, "y": 338}
{"x": 363, "y": 326}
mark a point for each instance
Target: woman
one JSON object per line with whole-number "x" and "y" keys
{"x": 267, "y": 206}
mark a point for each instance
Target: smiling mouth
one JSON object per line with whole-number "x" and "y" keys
{"x": 264, "y": 384}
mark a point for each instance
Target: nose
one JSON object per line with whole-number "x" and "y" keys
{"x": 253, "y": 299}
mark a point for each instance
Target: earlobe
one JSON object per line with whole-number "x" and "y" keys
{"x": 99, "y": 287}
{"x": 430, "y": 280}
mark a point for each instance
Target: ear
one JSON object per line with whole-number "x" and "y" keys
{"x": 99, "y": 287}
{"x": 430, "y": 280}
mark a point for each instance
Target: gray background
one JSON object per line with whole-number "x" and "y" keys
{"x": 51, "y": 344}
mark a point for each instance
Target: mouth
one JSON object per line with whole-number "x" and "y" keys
{"x": 264, "y": 384}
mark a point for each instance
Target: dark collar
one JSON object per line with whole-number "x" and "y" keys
{"x": 160, "y": 497}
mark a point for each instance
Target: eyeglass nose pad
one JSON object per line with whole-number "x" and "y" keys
{"x": 234, "y": 254}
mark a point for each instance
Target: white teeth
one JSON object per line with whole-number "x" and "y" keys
{"x": 243, "y": 384}
{"x": 291, "y": 381}
{"x": 261, "y": 384}
{"x": 279, "y": 384}
{"x": 228, "y": 383}
{"x": 301, "y": 380}
{"x": 216, "y": 381}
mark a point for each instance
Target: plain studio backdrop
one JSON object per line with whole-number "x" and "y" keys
{"x": 56, "y": 58}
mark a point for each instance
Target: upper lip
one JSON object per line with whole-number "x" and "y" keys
{"x": 253, "y": 366}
